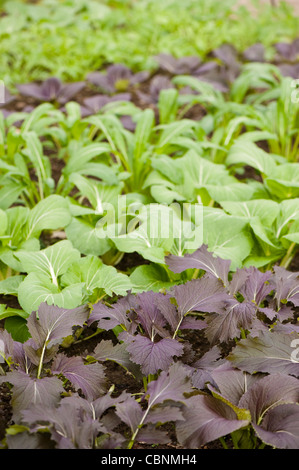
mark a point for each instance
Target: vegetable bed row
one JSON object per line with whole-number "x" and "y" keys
{"x": 89, "y": 278}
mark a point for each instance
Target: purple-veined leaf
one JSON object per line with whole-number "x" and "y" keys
{"x": 255, "y": 53}
{"x": 29, "y": 391}
{"x": 149, "y": 434}
{"x": 205, "y": 366}
{"x": 227, "y": 325}
{"x": 170, "y": 385}
{"x": 53, "y": 323}
{"x": 288, "y": 51}
{"x": 200, "y": 259}
{"x": 130, "y": 412}
{"x": 280, "y": 427}
{"x": 118, "y": 314}
{"x": 233, "y": 383}
{"x": 148, "y": 313}
{"x": 89, "y": 378}
{"x": 180, "y": 66}
{"x": 268, "y": 392}
{"x": 256, "y": 286}
{"x": 286, "y": 285}
{"x": 68, "y": 427}
{"x": 154, "y": 356}
{"x": 269, "y": 352}
{"x": 202, "y": 295}
{"x": 206, "y": 419}
{"x": 106, "y": 351}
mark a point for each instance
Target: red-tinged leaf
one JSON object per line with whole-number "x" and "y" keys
{"x": 106, "y": 351}
{"x": 153, "y": 357}
{"x": 89, "y": 378}
{"x": 201, "y": 295}
{"x": 54, "y": 323}
{"x": 118, "y": 314}
{"x": 130, "y": 412}
{"x": 268, "y": 392}
{"x": 269, "y": 352}
{"x": 228, "y": 325}
{"x": 171, "y": 385}
{"x": 206, "y": 419}
{"x": 280, "y": 427}
{"x": 29, "y": 391}
{"x": 149, "y": 434}
{"x": 200, "y": 259}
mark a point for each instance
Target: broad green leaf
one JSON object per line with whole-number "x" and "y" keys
{"x": 150, "y": 277}
{"x": 84, "y": 238}
{"x": 52, "y": 261}
{"x": 37, "y": 288}
{"x": 96, "y": 275}
{"x": 49, "y": 214}
{"x": 247, "y": 153}
{"x": 283, "y": 182}
{"x": 226, "y": 236}
{"x": 10, "y": 285}
{"x": 3, "y": 222}
{"x": 17, "y": 327}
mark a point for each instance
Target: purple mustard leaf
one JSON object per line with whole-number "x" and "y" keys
{"x": 159, "y": 83}
{"x": 226, "y": 53}
{"x": 139, "y": 77}
{"x": 130, "y": 412}
{"x": 268, "y": 392}
{"x": 180, "y": 66}
{"x": 190, "y": 323}
{"x": 269, "y": 352}
{"x": 100, "y": 80}
{"x": 256, "y": 287}
{"x": 51, "y": 88}
{"x": 148, "y": 313}
{"x": 269, "y": 312}
{"x": 163, "y": 413}
{"x": 32, "y": 90}
{"x": 97, "y": 408}
{"x": 227, "y": 325}
{"x": 255, "y": 53}
{"x": 69, "y": 428}
{"x": 68, "y": 91}
{"x": 128, "y": 123}
{"x": 33, "y": 352}
{"x": 289, "y": 70}
{"x": 204, "y": 367}
{"x": 206, "y": 294}
{"x": 206, "y": 419}
{"x": 25, "y": 440}
{"x": 123, "y": 312}
{"x": 118, "y": 72}
{"x": 205, "y": 68}
{"x": 54, "y": 323}
{"x": 173, "y": 384}
{"x": 149, "y": 434}
{"x": 151, "y": 356}
{"x": 239, "y": 278}
{"x": 286, "y": 285}
{"x": 285, "y": 328}
{"x": 280, "y": 427}
{"x": 200, "y": 259}
{"x": 29, "y": 391}
{"x": 89, "y": 378}
{"x": 97, "y": 102}
{"x": 233, "y": 383}
{"x": 107, "y": 351}
{"x": 288, "y": 51}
